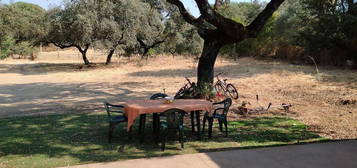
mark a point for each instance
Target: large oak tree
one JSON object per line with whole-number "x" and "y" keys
{"x": 218, "y": 31}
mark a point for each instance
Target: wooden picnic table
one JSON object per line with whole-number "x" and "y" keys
{"x": 135, "y": 108}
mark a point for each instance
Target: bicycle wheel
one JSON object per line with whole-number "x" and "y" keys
{"x": 219, "y": 89}
{"x": 232, "y": 91}
{"x": 180, "y": 93}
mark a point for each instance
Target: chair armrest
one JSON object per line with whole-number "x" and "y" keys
{"x": 215, "y": 110}
{"x": 217, "y": 103}
{"x": 113, "y": 105}
{"x": 114, "y": 108}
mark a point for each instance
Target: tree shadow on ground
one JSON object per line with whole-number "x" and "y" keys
{"x": 54, "y": 98}
{"x": 39, "y": 68}
{"x": 60, "y": 140}
{"x": 244, "y": 69}
{"x": 46, "y": 68}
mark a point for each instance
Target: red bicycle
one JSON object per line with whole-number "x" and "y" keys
{"x": 223, "y": 87}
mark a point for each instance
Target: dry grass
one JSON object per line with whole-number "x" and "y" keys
{"x": 58, "y": 83}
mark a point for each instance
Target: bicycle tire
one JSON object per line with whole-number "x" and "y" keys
{"x": 180, "y": 92}
{"x": 219, "y": 88}
{"x": 232, "y": 91}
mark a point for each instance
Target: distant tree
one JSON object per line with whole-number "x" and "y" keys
{"x": 23, "y": 21}
{"x": 129, "y": 24}
{"x": 110, "y": 25}
{"x": 318, "y": 32}
{"x": 74, "y": 26}
{"x": 151, "y": 32}
{"x": 182, "y": 38}
{"x": 21, "y": 28}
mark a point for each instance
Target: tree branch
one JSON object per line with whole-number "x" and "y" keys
{"x": 209, "y": 14}
{"x": 259, "y": 22}
{"x": 234, "y": 30}
{"x": 63, "y": 46}
{"x": 186, "y": 15}
{"x": 142, "y": 43}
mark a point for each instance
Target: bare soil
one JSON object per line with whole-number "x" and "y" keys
{"x": 57, "y": 83}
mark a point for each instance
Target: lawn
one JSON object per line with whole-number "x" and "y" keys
{"x": 71, "y": 139}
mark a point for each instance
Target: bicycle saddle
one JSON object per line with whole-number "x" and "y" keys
{"x": 225, "y": 79}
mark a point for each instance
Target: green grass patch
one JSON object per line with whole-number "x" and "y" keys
{"x": 62, "y": 140}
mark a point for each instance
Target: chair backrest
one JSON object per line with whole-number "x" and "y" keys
{"x": 158, "y": 96}
{"x": 174, "y": 117}
{"x": 226, "y": 105}
{"x": 113, "y": 108}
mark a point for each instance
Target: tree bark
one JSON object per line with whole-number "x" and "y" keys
{"x": 205, "y": 71}
{"x": 84, "y": 54}
{"x": 147, "y": 47}
{"x": 82, "y": 51}
{"x": 84, "y": 57}
{"x": 109, "y": 57}
{"x": 145, "y": 53}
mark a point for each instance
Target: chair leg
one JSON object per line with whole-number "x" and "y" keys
{"x": 143, "y": 124}
{"x": 225, "y": 125}
{"x": 193, "y": 121}
{"x": 181, "y": 137}
{"x": 130, "y": 134}
{"x": 220, "y": 125}
{"x": 210, "y": 124}
{"x": 110, "y": 132}
{"x": 157, "y": 134}
{"x": 204, "y": 123}
{"x": 154, "y": 122}
{"x": 198, "y": 122}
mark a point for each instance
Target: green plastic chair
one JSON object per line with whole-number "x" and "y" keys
{"x": 155, "y": 118}
{"x": 115, "y": 117}
{"x": 171, "y": 119}
{"x": 220, "y": 114}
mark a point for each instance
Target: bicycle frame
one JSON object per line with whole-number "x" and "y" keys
{"x": 222, "y": 83}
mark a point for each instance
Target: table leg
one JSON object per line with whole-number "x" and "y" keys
{"x": 198, "y": 121}
{"x": 142, "y": 127}
{"x": 193, "y": 121}
{"x": 130, "y": 134}
{"x": 210, "y": 124}
{"x": 154, "y": 122}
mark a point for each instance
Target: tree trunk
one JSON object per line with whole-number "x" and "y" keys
{"x": 84, "y": 53}
{"x": 205, "y": 71}
{"x": 84, "y": 56}
{"x": 145, "y": 54}
{"x": 109, "y": 57}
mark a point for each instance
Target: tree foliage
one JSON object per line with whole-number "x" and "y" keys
{"x": 21, "y": 28}
{"x": 125, "y": 24}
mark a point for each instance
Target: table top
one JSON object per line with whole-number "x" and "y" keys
{"x": 134, "y": 108}
{"x": 159, "y": 105}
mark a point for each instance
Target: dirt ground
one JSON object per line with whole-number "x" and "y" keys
{"x": 57, "y": 82}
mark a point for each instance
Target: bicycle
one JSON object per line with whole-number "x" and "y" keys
{"x": 224, "y": 87}
{"x": 187, "y": 88}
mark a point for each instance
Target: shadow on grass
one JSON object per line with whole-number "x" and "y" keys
{"x": 82, "y": 138}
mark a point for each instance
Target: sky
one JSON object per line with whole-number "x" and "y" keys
{"x": 189, "y": 4}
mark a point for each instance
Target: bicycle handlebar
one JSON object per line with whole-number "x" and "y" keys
{"x": 188, "y": 80}
{"x": 219, "y": 74}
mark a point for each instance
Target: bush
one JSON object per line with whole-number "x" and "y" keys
{"x": 9, "y": 47}
{"x": 6, "y": 47}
